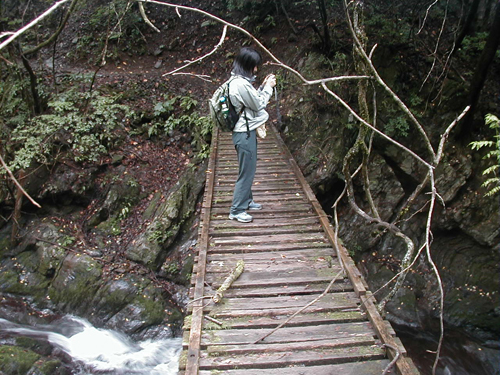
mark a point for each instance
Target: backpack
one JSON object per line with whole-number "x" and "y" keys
{"x": 222, "y": 111}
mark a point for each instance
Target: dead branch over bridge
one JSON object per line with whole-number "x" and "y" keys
{"x": 291, "y": 274}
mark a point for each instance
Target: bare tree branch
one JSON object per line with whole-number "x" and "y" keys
{"x": 145, "y": 17}
{"x": 395, "y": 97}
{"x": 341, "y": 101}
{"x": 32, "y": 23}
{"x": 11, "y": 175}
{"x": 58, "y": 31}
{"x": 302, "y": 308}
{"x": 436, "y": 47}
{"x": 426, "y": 15}
{"x": 221, "y": 41}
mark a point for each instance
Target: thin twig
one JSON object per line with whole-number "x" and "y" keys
{"x": 394, "y": 360}
{"x": 436, "y": 47}
{"x": 302, "y": 308}
{"x": 217, "y": 46}
{"x": 436, "y": 271}
{"x": 209, "y": 318}
{"x": 203, "y": 77}
{"x": 426, "y": 15}
{"x": 11, "y": 175}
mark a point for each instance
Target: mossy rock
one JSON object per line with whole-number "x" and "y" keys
{"x": 114, "y": 296}
{"x": 167, "y": 220}
{"x": 50, "y": 367}
{"x": 5, "y": 242}
{"x": 111, "y": 226}
{"x": 76, "y": 283}
{"x": 15, "y": 360}
{"x": 147, "y": 309}
{"x": 50, "y": 258}
{"x": 9, "y": 281}
{"x": 38, "y": 346}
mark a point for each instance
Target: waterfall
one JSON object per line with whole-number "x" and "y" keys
{"x": 104, "y": 351}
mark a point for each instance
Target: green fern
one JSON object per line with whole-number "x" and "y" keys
{"x": 494, "y": 123}
{"x": 79, "y": 126}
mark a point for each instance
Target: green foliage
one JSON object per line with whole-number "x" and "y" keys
{"x": 115, "y": 24}
{"x": 188, "y": 103}
{"x": 84, "y": 124}
{"x": 492, "y": 183}
{"x": 14, "y": 108}
{"x": 181, "y": 113}
{"x": 397, "y": 125}
{"x": 472, "y": 45}
{"x": 237, "y": 4}
{"x": 393, "y": 30}
{"x": 165, "y": 107}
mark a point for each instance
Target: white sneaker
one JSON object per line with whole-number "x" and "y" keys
{"x": 254, "y": 206}
{"x": 242, "y": 217}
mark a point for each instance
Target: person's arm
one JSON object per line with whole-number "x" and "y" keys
{"x": 254, "y": 99}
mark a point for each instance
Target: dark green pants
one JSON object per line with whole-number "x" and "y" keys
{"x": 246, "y": 148}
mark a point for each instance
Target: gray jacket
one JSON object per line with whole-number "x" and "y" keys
{"x": 242, "y": 93}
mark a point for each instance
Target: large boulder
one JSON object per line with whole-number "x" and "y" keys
{"x": 166, "y": 219}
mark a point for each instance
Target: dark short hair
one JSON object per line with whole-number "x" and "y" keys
{"x": 245, "y": 62}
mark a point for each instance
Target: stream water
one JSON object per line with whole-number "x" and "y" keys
{"x": 460, "y": 354}
{"x": 99, "y": 351}
{"x": 88, "y": 350}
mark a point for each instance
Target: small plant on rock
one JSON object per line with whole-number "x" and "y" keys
{"x": 492, "y": 183}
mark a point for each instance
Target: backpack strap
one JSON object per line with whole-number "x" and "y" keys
{"x": 242, "y": 107}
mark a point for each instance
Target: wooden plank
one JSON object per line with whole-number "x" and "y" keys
{"x": 302, "y": 358}
{"x": 272, "y": 222}
{"x": 288, "y": 290}
{"x": 256, "y": 248}
{"x": 350, "y": 368}
{"x": 289, "y": 266}
{"x": 259, "y": 279}
{"x": 271, "y": 265}
{"x": 329, "y": 343}
{"x": 286, "y": 334}
{"x": 403, "y": 366}
{"x": 346, "y": 299}
{"x": 307, "y": 319}
{"x": 282, "y": 290}
{"x": 260, "y": 180}
{"x": 263, "y": 230}
{"x": 259, "y": 216}
{"x": 220, "y": 312}
{"x": 290, "y": 185}
{"x": 226, "y": 200}
{"x": 261, "y": 163}
{"x": 269, "y": 172}
{"x": 193, "y": 352}
{"x": 319, "y": 255}
{"x": 242, "y": 239}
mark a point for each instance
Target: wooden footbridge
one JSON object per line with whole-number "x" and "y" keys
{"x": 291, "y": 268}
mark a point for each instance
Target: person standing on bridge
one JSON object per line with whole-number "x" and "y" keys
{"x": 251, "y": 103}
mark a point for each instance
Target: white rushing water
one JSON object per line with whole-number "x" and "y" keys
{"x": 105, "y": 351}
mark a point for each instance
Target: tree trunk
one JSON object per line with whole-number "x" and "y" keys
{"x": 37, "y": 104}
{"x": 17, "y": 210}
{"x": 327, "y": 44}
{"x": 466, "y": 28}
{"x": 482, "y": 68}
